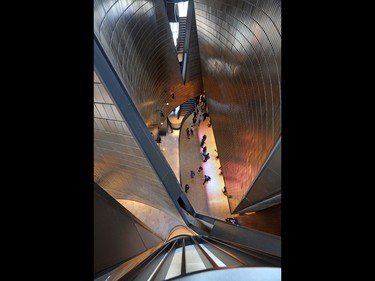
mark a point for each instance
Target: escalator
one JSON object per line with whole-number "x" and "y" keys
{"x": 186, "y": 257}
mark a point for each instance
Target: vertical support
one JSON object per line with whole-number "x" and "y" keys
{"x": 138, "y": 128}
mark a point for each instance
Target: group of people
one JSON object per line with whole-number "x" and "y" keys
{"x": 189, "y": 131}
{"x": 192, "y": 175}
{"x": 205, "y": 155}
{"x": 201, "y": 105}
{"x": 232, "y": 220}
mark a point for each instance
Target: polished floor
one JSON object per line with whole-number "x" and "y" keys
{"x": 184, "y": 154}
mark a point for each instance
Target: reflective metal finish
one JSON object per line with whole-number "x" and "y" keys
{"x": 240, "y": 49}
{"x": 240, "y": 57}
{"x": 137, "y": 38}
{"x": 266, "y": 189}
{"x": 122, "y": 169}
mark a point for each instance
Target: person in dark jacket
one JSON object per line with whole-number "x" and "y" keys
{"x": 206, "y": 179}
{"x": 186, "y": 188}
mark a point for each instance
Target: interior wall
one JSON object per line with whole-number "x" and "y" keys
{"x": 122, "y": 168}
{"x": 240, "y": 48}
{"x": 118, "y": 236}
{"x": 136, "y": 36}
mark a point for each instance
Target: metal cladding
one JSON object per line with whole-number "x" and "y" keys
{"x": 136, "y": 36}
{"x": 240, "y": 50}
{"x": 123, "y": 170}
{"x": 235, "y": 49}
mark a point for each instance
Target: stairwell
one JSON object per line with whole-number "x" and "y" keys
{"x": 187, "y": 107}
{"x": 181, "y": 34}
{"x": 184, "y": 111}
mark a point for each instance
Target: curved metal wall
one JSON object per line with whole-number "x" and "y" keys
{"x": 111, "y": 224}
{"x": 239, "y": 45}
{"x": 240, "y": 49}
{"x": 137, "y": 38}
{"x": 122, "y": 169}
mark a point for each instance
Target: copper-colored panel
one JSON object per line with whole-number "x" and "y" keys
{"x": 235, "y": 46}
{"x": 137, "y": 38}
{"x": 240, "y": 50}
{"x": 122, "y": 169}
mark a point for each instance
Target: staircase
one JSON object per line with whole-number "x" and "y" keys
{"x": 184, "y": 111}
{"x": 181, "y": 34}
{"x": 187, "y": 107}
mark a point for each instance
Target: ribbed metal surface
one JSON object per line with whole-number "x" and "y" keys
{"x": 266, "y": 189}
{"x": 109, "y": 247}
{"x": 137, "y": 38}
{"x": 194, "y": 74}
{"x": 240, "y": 48}
{"x": 122, "y": 169}
{"x": 239, "y": 45}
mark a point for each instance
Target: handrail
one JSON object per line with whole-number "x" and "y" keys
{"x": 246, "y": 250}
{"x": 182, "y": 121}
{"x": 146, "y": 262}
{"x": 212, "y": 262}
{"x": 224, "y": 251}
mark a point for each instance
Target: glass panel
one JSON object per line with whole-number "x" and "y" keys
{"x": 174, "y": 27}
{"x": 182, "y": 9}
{"x": 175, "y": 267}
{"x": 212, "y": 256}
{"x": 193, "y": 260}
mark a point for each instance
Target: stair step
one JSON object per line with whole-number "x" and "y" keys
{"x": 187, "y": 106}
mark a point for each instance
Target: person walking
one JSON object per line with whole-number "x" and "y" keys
{"x": 200, "y": 118}
{"x": 205, "y": 115}
{"x": 192, "y": 174}
{"x": 206, "y": 157}
{"x": 203, "y": 140}
{"x": 186, "y": 188}
{"x": 206, "y": 179}
{"x": 232, "y": 220}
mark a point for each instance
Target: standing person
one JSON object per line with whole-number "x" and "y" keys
{"x": 225, "y": 191}
{"x": 206, "y": 157}
{"x": 188, "y": 132}
{"x": 200, "y": 118}
{"x": 186, "y": 188}
{"x": 203, "y": 106}
{"x": 206, "y": 179}
{"x": 205, "y": 115}
{"x": 200, "y": 169}
{"x": 192, "y": 174}
{"x": 192, "y": 130}
{"x": 204, "y": 149}
{"x": 194, "y": 120}
{"x": 203, "y": 140}
{"x": 232, "y": 220}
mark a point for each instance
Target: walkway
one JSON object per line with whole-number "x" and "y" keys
{"x": 206, "y": 199}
